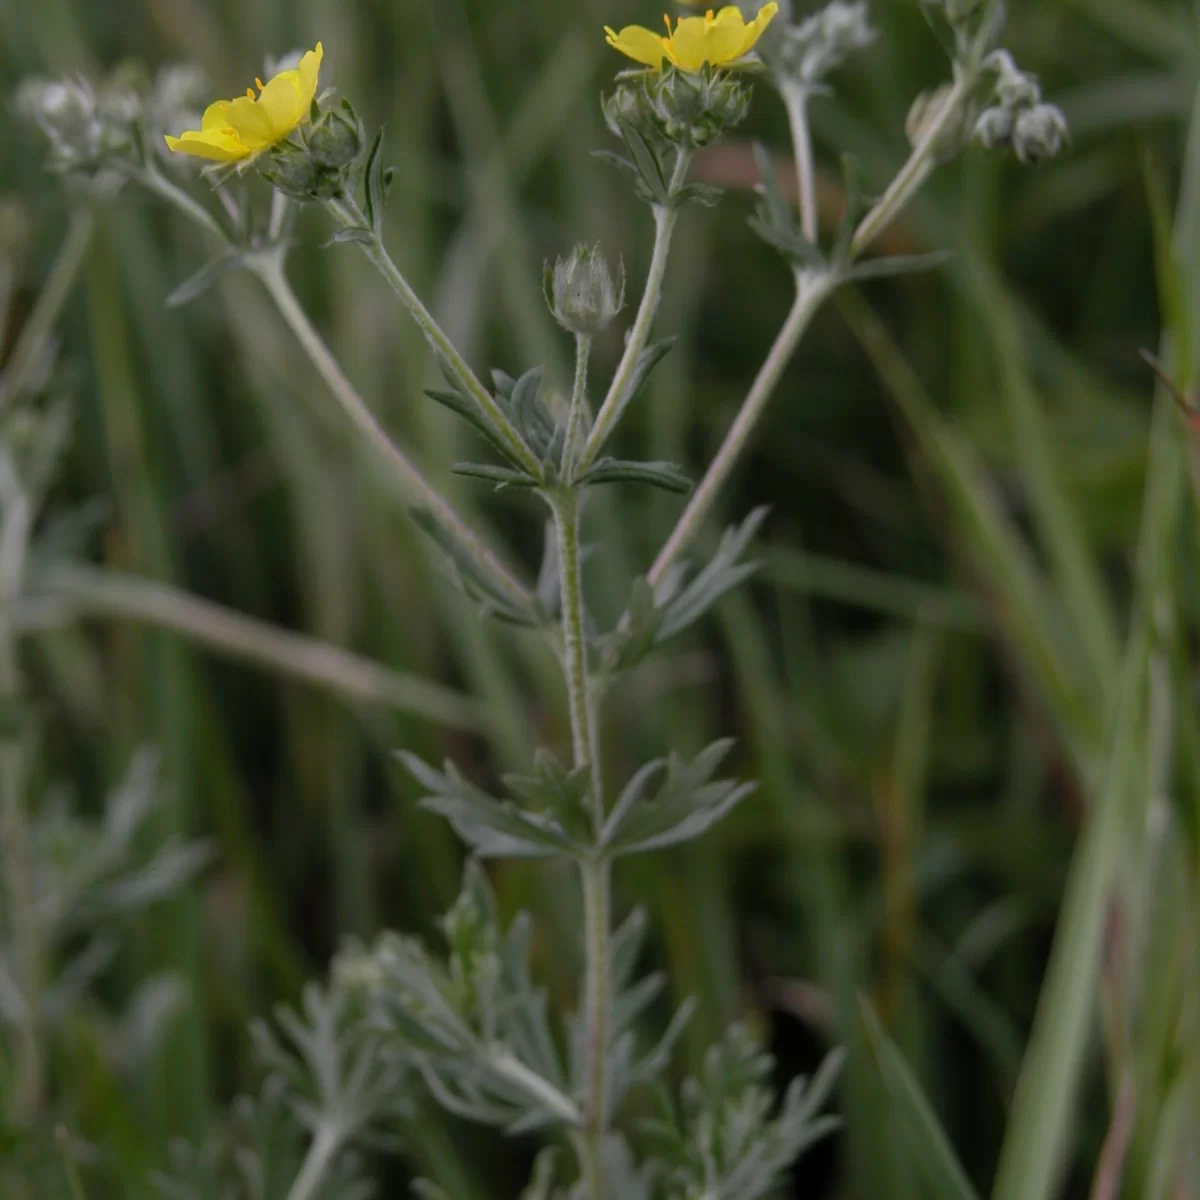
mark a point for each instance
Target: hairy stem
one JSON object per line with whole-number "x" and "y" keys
{"x": 15, "y": 851}
{"x": 583, "y": 349}
{"x": 322, "y": 1151}
{"x": 617, "y": 398}
{"x": 795, "y": 99}
{"x": 596, "y": 876}
{"x": 414, "y": 485}
{"x": 350, "y": 216}
{"x": 915, "y": 171}
{"x": 49, "y": 304}
{"x": 154, "y": 181}
{"x": 811, "y": 291}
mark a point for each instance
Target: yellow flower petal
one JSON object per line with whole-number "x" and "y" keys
{"x": 755, "y": 29}
{"x": 687, "y": 47}
{"x": 235, "y": 129}
{"x": 213, "y": 144}
{"x": 725, "y": 36}
{"x": 640, "y": 44}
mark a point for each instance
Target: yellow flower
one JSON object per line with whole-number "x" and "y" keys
{"x": 714, "y": 39}
{"x": 232, "y": 130}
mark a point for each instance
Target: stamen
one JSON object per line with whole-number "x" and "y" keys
{"x": 259, "y": 82}
{"x": 668, "y": 23}
{"x": 250, "y": 93}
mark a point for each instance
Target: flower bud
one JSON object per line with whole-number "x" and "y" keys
{"x": 337, "y": 139}
{"x": 926, "y": 111}
{"x": 293, "y": 171}
{"x": 581, "y": 292}
{"x": 994, "y": 128}
{"x": 1039, "y": 133}
{"x": 628, "y": 105}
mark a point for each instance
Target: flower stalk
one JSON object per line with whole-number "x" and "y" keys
{"x": 345, "y": 210}
{"x": 665, "y": 217}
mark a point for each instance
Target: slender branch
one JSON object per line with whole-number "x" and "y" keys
{"x": 811, "y": 291}
{"x": 322, "y": 1151}
{"x": 346, "y": 211}
{"x": 153, "y": 180}
{"x": 795, "y": 99}
{"x": 407, "y": 474}
{"x": 49, "y": 304}
{"x": 583, "y": 349}
{"x": 618, "y": 397}
{"x": 83, "y": 591}
{"x": 915, "y": 171}
{"x": 15, "y": 850}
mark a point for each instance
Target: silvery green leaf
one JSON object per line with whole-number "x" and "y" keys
{"x": 561, "y": 792}
{"x": 373, "y": 187}
{"x": 502, "y": 477}
{"x": 458, "y": 402}
{"x": 477, "y": 584}
{"x": 687, "y": 804}
{"x": 204, "y": 278}
{"x": 895, "y": 265}
{"x": 707, "y": 194}
{"x": 662, "y": 475}
{"x": 723, "y": 573}
{"x": 726, "y": 1140}
{"x": 356, "y": 235}
{"x": 647, "y": 360}
{"x": 649, "y": 167}
{"x": 491, "y": 827}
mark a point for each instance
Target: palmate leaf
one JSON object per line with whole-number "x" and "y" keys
{"x": 656, "y": 614}
{"x": 492, "y": 828}
{"x": 688, "y": 803}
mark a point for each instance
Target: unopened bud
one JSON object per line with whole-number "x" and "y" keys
{"x": 994, "y": 128}
{"x": 928, "y": 112}
{"x": 337, "y": 139}
{"x": 581, "y": 292}
{"x": 1039, "y": 133}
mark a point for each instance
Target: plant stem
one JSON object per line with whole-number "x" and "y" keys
{"x": 346, "y": 211}
{"x": 595, "y": 873}
{"x": 162, "y": 187}
{"x": 583, "y": 349}
{"x": 915, "y": 171}
{"x": 811, "y": 291}
{"x": 618, "y": 396}
{"x": 795, "y": 99}
{"x": 49, "y": 304}
{"x": 327, "y": 1141}
{"x": 15, "y": 852}
{"x": 269, "y": 268}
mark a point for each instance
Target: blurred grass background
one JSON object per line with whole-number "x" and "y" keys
{"x": 922, "y": 677}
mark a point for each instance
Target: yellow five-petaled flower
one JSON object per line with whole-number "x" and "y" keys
{"x": 232, "y": 130}
{"x": 714, "y": 39}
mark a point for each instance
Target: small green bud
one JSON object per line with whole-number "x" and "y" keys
{"x": 628, "y": 105}
{"x": 294, "y": 172}
{"x": 581, "y": 292}
{"x": 337, "y": 139}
